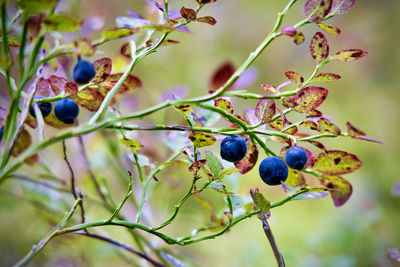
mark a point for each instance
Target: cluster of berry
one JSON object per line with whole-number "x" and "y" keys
{"x": 273, "y": 170}
{"x": 66, "y": 110}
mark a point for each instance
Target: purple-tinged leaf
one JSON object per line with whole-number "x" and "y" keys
{"x": 367, "y": 139}
{"x": 221, "y": 75}
{"x": 315, "y": 193}
{"x": 89, "y": 98}
{"x": 246, "y": 79}
{"x": 343, "y": 189}
{"x": 308, "y": 99}
{"x": 249, "y": 115}
{"x": 326, "y": 77}
{"x": 217, "y": 186}
{"x": 188, "y": 14}
{"x": 336, "y": 162}
{"x": 396, "y": 189}
{"x": 265, "y": 110}
{"x": 269, "y": 88}
{"x": 197, "y": 165}
{"x": 224, "y": 104}
{"x": 295, "y": 178}
{"x": 299, "y": 38}
{"x": 166, "y": 42}
{"x": 200, "y": 139}
{"x": 70, "y": 88}
{"x": 294, "y": 77}
{"x": 207, "y": 19}
{"x": 340, "y": 7}
{"x": 43, "y": 88}
{"x": 131, "y": 22}
{"x": 126, "y": 50}
{"x": 350, "y": 54}
{"x": 314, "y": 113}
{"x": 103, "y": 68}
{"x": 329, "y": 28}
{"x": 289, "y": 31}
{"x": 250, "y": 160}
{"x": 57, "y": 84}
{"x": 353, "y": 131}
{"x": 131, "y": 84}
{"x": 319, "y": 47}
{"x": 316, "y": 10}
{"x": 318, "y": 145}
{"x": 327, "y": 126}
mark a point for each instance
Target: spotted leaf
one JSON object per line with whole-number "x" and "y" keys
{"x": 103, "y": 68}
{"x": 340, "y": 7}
{"x": 131, "y": 84}
{"x": 298, "y": 38}
{"x": 336, "y": 162}
{"x": 89, "y": 98}
{"x": 224, "y": 104}
{"x": 197, "y": 165}
{"x": 308, "y": 99}
{"x": 202, "y": 139}
{"x": 207, "y": 19}
{"x": 342, "y": 189}
{"x": 326, "y": 77}
{"x": 350, "y": 54}
{"x": 117, "y": 33}
{"x": 22, "y": 143}
{"x": 295, "y": 178}
{"x": 327, "y": 126}
{"x": 329, "y": 28}
{"x": 250, "y": 160}
{"x": 319, "y": 47}
{"x": 294, "y": 77}
{"x": 188, "y": 14}
{"x": 132, "y": 144}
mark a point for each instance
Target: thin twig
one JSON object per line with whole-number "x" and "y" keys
{"x": 271, "y": 239}
{"x": 123, "y": 246}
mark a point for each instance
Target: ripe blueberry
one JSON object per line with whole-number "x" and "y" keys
{"x": 296, "y": 158}
{"x": 83, "y": 71}
{"x": 45, "y": 108}
{"x": 66, "y": 110}
{"x": 273, "y": 170}
{"x": 233, "y": 148}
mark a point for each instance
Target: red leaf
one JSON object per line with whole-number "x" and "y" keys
{"x": 250, "y": 160}
{"x": 188, "y": 14}
{"x": 207, "y": 19}
{"x": 222, "y": 75}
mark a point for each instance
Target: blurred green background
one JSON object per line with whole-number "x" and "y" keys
{"x": 309, "y": 233}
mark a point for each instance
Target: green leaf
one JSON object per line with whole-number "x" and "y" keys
{"x": 265, "y": 110}
{"x": 214, "y": 163}
{"x": 132, "y": 144}
{"x": 36, "y": 6}
{"x": 350, "y": 54}
{"x": 295, "y": 178}
{"x": 202, "y": 139}
{"x": 336, "y": 162}
{"x": 313, "y": 193}
{"x": 62, "y": 23}
{"x": 329, "y": 28}
{"x": 217, "y": 185}
{"x": 326, "y": 77}
{"x": 224, "y": 104}
{"x": 250, "y": 160}
{"x": 342, "y": 189}
{"x": 260, "y": 201}
{"x": 229, "y": 171}
{"x": 319, "y": 47}
{"x": 118, "y": 33}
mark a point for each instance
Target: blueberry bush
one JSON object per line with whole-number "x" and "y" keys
{"x": 50, "y": 82}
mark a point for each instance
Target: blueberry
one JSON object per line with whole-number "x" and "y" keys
{"x": 1, "y": 133}
{"x": 83, "y": 71}
{"x": 45, "y": 108}
{"x": 273, "y": 170}
{"x": 66, "y": 110}
{"x": 233, "y": 148}
{"x": 296, "y": 158}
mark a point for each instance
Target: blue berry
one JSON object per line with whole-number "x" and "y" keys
{"x": 83, "y": 71}
{"x": 1, "y": 133}
{"x": 273, "y": 171}
{"x": 45, "y": 108}
{"x": 296, "y": 158}
{"x": 66, "y": 110}
{"x": 233, "y": 148}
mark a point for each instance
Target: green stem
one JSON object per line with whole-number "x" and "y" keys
{"x": 127, "y": 195}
